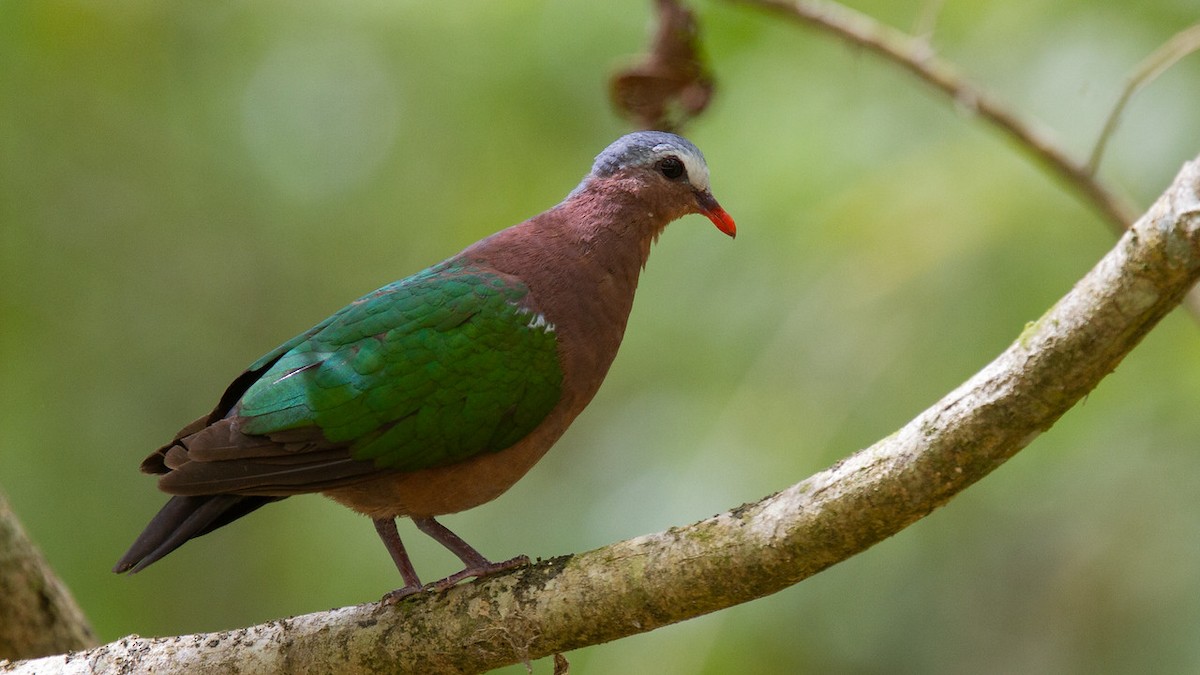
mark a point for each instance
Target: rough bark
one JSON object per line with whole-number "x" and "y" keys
{"x": 38, "y": 616}
{"x": 747, "y": 552}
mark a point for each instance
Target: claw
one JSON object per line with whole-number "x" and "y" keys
{"x": 449, "y": 582}
{"x": 479, "y": 572}
{"x": 399, "y": 594}
{"x": 476, "y": 565}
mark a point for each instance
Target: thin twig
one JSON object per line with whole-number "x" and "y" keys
{"x": 927, "y": 20}
{"x": 1180, "y": 45}
{"x": 915, "y": 55}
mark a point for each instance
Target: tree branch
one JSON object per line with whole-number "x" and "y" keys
{"x": 756, "y": 549}
{"x": 916, "y": 56}
{"x": 1180, "y": 45}
{"x": 38, "y": 616}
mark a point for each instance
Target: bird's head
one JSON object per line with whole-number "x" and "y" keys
{"x": 668, "y": 169}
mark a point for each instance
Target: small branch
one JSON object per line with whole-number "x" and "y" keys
{"x": 38, "y": 616}
{"x": 914, "y": 55}
{"x": 753, "y": 550}
{"x": 1180, "y": 45}
{"x": 927, "y": 20}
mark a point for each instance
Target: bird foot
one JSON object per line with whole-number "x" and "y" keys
{"x": 400, "y": 593}
{"x": 478, "y": 571}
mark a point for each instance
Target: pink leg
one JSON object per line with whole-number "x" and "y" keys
{"x": 386, "y": 527}
{"x": 476, "y": 564}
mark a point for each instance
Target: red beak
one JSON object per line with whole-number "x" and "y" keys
{"x": 709, "y": 207}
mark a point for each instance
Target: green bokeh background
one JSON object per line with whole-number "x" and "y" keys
{"x": 185, "y": 185}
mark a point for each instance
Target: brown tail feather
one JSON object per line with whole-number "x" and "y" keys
{"x": 181, "y": 519}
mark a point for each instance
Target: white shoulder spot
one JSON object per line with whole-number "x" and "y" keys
{"x": 537, "y": 320}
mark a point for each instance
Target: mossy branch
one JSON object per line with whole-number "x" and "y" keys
{"x": 747, "y": 552}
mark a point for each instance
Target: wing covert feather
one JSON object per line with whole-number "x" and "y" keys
{"x": 446, "y": 364}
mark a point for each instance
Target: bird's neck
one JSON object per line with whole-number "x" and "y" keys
{"x": 581, "y": 261}
{"x": 611, "y": 224}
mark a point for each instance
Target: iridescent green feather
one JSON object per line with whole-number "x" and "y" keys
{"x": 427, "y": 371}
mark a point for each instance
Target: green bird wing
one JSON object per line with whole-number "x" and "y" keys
{"x": 447, "y": 364}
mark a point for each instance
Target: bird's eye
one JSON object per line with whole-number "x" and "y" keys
{"x": 671, "y": 167}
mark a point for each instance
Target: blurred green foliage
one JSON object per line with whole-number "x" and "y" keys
{"x": 185, "y": 185}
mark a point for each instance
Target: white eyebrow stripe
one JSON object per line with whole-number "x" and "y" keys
{"x": 697, "y": 171}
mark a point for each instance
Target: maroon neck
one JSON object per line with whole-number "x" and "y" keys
{"x": 581, "y": 261}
